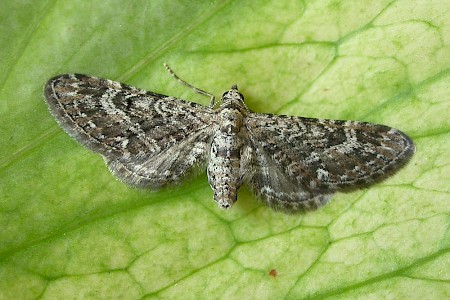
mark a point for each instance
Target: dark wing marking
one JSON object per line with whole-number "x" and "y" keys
{"x": 310, "y": 159}
{"x": 131, "y": 128}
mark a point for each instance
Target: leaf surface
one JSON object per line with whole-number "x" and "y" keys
{"x": 69, "y": 230}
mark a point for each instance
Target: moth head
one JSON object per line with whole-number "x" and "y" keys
{"x": 232, "y": 95}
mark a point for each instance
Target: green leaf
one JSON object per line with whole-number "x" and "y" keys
{"x": 70, "y": 230}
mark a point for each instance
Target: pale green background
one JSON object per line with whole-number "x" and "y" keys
{"x": 68, "y": 229}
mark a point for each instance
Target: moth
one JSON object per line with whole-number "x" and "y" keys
{"x": 292, "y": 164}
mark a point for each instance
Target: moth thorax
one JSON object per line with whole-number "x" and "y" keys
{"x": 231, "y": 120}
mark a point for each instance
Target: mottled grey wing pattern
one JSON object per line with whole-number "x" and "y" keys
{"x": 292, "y": 163}
{"x": 131, "y": 128}
{"x": 323, "y": 156}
